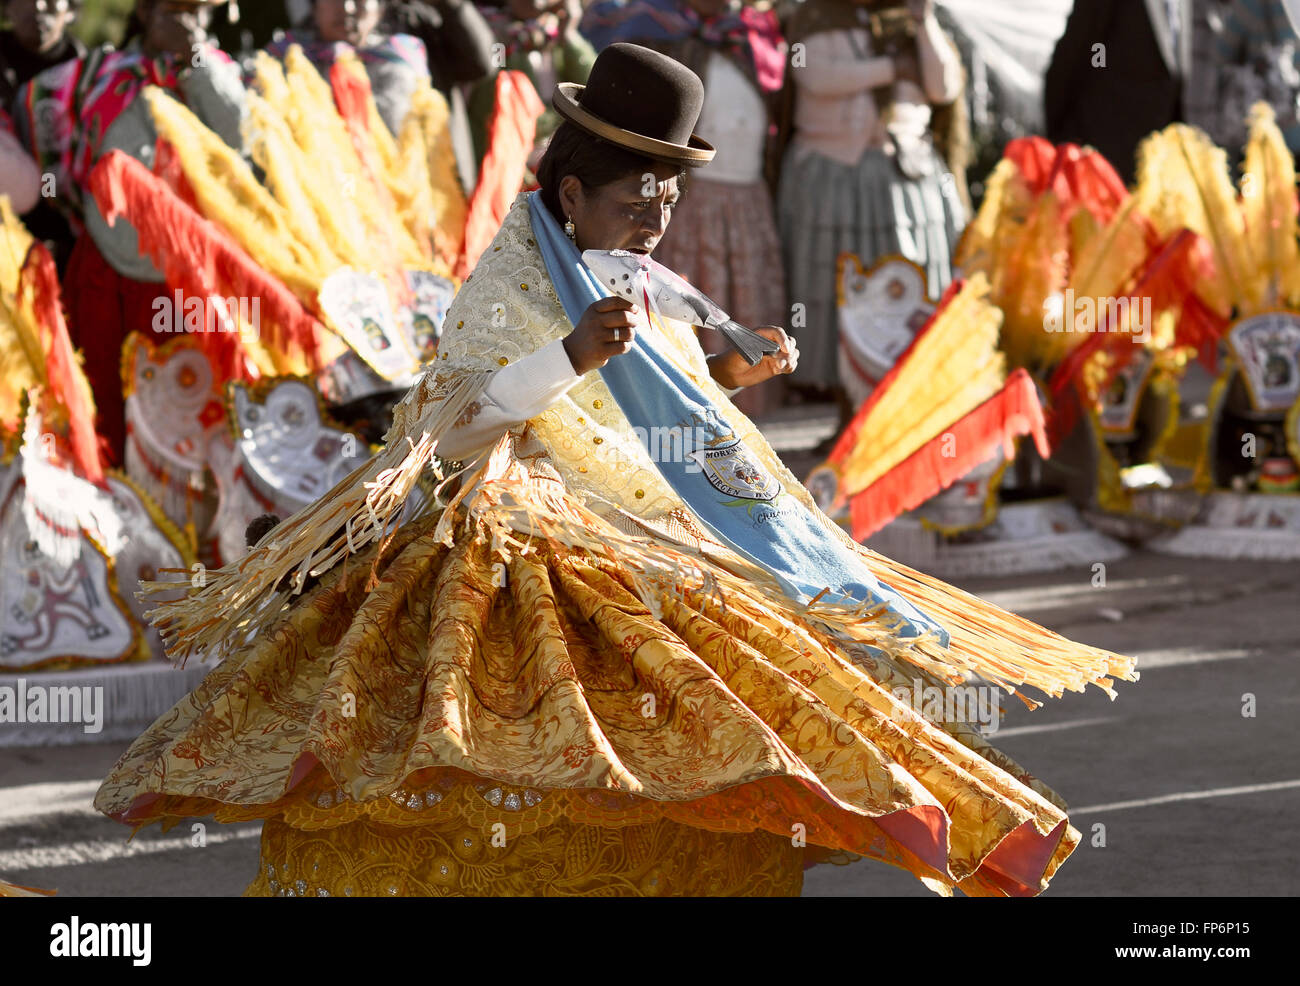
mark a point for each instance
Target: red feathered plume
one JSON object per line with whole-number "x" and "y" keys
{"x": 1169, "y": 280}
{"x": 1093, "y": 183}
{"x": 1078, "y": 177}
{"x": 510, "y": 141}
{"x": 203, "y": 261}
{"x": 39, "y": 285}
{"x": 352, "y": 99}
{"x": 1035, "y": 158}
{"x": 1010, "y": 413}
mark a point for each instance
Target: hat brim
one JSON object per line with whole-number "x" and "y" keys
{"x": 693, "y": 155}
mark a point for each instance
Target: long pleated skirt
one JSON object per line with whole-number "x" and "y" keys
{"x": 420, "y": 724}
{"x": 871, "y": 209}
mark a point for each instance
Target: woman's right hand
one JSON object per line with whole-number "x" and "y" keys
{"x": 605, "y": 330}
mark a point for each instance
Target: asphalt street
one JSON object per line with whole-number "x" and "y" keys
{"x": 1176, "y": 790}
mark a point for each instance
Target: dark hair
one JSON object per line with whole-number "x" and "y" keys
{"x": 593, "y": 161}
{"x": 259, "y": 528}
{"x": 134, "y": 27}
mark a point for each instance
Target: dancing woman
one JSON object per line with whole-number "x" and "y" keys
{"x": 605, "y": 666}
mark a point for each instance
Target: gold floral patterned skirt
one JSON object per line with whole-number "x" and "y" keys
{"x": 449, "y": 858}
{"x": 428, "y": 720}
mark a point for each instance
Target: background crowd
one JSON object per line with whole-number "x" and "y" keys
{"x": 841, "y": 126}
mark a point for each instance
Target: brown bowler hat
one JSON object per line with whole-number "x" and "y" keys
{"x": 642, "y": 101}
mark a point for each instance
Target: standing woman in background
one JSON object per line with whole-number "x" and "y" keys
{"x": 726, "y": 243}
{"x": 541, "y": 39}
{"x": 36, "y": 38}
{"x": 397, "y": 64}
{"x": 459, "y": 42}
{"x": 861, "y": 173}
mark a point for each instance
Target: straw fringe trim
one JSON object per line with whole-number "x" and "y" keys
{"x": 507, "y": 502}
{"x": 1005, "y": 649}
{"x": 235, "y": 602}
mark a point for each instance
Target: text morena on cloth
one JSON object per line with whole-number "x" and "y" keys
{"x": 566, "y": 656}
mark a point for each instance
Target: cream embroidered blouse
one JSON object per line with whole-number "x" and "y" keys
{"x": 508, "y": 319}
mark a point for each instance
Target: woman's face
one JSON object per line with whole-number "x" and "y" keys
{"x": 39, "y": 24}
{"x": 175, "y": 28}
{"x": 631, "y": 213}
{"x": 350, "y": 21}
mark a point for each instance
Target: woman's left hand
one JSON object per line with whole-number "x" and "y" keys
{"x": 731, "y": 370}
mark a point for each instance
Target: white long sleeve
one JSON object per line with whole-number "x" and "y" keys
{"x": 941, "y": 71}
{"x": 832, "y": 70}
{"x": 515, "y": 393}
{"x": 20, "y": 178}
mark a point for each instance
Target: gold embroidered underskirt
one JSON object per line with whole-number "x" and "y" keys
{"x": 424, "y": 694}
{"x": 449, "y": 858}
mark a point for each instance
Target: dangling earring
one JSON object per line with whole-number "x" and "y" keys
{"x": 569, "y": 228}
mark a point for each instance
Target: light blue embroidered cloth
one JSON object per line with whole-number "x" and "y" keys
{"x": 727, "y": 488}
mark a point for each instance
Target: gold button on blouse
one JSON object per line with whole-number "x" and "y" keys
{"x": 598, "y": 440}
{"x": 640, "y": 494}
{"x": 503, "y": 361}
{"x": 523, "y": 287}
{"x": 597, "y": 404}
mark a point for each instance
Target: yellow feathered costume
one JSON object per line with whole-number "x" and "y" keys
{"x": 26, "y": 341}
{"x": 1183, "y": 182}
{"x": 329, "y": 199}
{"x": 21, "y": 358}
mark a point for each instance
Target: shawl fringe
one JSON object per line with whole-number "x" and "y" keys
{"x": 231, "y": 604}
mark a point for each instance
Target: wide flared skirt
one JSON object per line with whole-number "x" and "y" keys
{"x": 426, "y": 693}
{"x": 871, "y": 209}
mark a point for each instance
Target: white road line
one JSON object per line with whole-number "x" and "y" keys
{"x": 1182, "y": 656}
{"x": 1049, "y": 596}
{"x": 100, "y": 851}
{"x": 1050, "y": 727}
{"x": 30, "y": 801}
{"x": 1165, "y": 799}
